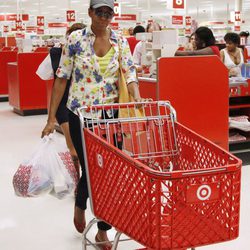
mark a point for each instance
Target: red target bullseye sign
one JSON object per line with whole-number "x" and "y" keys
{"x": 204, "y": 192}
{"x": 200, "y": 193}
{"x": 99, "y": 159}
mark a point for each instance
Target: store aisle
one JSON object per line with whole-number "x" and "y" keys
{"x": 46, "y": 223}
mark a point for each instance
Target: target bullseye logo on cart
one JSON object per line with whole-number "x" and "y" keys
{"x": 204, "y": 192}
{"x": 100, "y": 160}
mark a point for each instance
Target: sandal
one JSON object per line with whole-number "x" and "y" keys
{"x": 80, "y": 226}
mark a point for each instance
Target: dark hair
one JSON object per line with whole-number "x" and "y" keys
{"x": 152, "y": 24}
{"x": 205, "y": 35}
{"x": 138, "y": 29}
{"x": 74, "y": 27}
{"x": 232, "y": 37}
{"x": 244, "y": 33}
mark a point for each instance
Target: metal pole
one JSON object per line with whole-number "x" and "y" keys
{"x": 39, "y": 7}
{"x": 238, "y": 5}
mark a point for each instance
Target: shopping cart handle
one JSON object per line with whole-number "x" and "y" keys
{"x": 116, "y": 106}
{"x": 171, "y": 108}
{"x": 150, "y": 105}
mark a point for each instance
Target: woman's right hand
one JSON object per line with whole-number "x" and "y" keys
{"x": 233, "y": 72}
{"x": 48, "y": 129}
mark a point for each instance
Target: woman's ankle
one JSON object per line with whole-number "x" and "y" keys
{"x": 102, "y": 234}
{"x": 79, "y": 213}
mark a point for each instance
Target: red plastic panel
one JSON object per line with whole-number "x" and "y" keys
{"x": 33, "y": 94}
{"x": 5, "y": 58}
{"x": 197, "y": 87}
{"x": 13, "y": 85}
{"x": 27, "y": 90}
{"x": 148, "y": 89}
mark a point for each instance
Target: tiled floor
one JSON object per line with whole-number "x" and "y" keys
{"x": 46, "y": 223}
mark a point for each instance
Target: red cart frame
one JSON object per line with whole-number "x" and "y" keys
{"x": 168, "y": 188}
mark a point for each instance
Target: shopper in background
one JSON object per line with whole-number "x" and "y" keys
{"x": 153, "y": 27}
{"x": 138, "y": 48}
{"x": 93, "y": 57}
{"x": 204, "y": 42}
{"x": 190, "y": 46}
{"x": 244, "y": 35}
{"x": 50, "y": 64}
{"x": 131, "y": 31}
{"x": 232, "y": 56}
{"x": 132, "y": 39}
{"x": 62, "y": 113}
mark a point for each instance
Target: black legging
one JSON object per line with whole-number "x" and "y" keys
{"x": 82, "y": 188}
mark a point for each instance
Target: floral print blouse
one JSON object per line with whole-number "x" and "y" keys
{"x": 89, "y": 86}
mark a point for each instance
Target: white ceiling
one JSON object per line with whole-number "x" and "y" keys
{"x": 55, "y": 10}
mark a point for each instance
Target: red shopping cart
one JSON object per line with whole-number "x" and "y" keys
{"x": 166, "y": 187}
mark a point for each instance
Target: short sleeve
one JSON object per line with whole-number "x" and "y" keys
{"x": 67, "y": 59}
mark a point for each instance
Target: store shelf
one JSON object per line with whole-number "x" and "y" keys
{"x": 239, "y": 142}
{"x": 240, "y": 106}
{"x": 241, "y": 146}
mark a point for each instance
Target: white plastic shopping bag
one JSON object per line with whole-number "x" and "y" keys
{"x": 45, "y": 70}
{"x": 48, "y": 170}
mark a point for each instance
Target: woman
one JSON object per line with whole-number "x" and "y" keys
{"x": 204, "y": 43}
{"x": 91, "y": 56}
{"x": 190, "y": 46}
{"x": 50, "y": 64}
{"x": 62, "y": 114}
{"x": 232, "y": 56}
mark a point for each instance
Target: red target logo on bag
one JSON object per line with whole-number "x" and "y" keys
{"x": 203, "y": 193}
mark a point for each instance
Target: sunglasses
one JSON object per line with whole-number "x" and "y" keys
{"x": 103, "y": 13}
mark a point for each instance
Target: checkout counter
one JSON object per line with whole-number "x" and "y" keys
{"x": 6, "y": 56}
{"x": 27, "y": 92}
{"x": 197, "y": 87}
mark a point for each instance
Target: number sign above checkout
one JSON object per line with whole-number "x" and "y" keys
{"x": 71, "y": 16}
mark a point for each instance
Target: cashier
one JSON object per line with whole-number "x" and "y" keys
{"x": 232, "y": 56}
